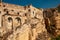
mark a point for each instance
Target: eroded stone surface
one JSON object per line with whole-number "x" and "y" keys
{"x": 21, "y": 23}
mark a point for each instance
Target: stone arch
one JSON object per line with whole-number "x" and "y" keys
{"x": 18, "y": 19}
{"x": 18, "y": 22}
{"x": 10, "y": 23}
{"x": 10, "y": 19}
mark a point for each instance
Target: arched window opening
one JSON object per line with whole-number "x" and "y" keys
{"x": 9, "y": 19}
{"x": 18, "y": 19}
{"x": 7, "y": 12}
{"x": 0, "y": 12}
{"x": 0, "y": 5}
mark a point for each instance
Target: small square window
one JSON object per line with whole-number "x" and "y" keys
{"x": 3, "y": 5}
{"x": 0, "y": 12}
{"x": 12, "y": 10}
{"x": 29, "y": 10}
{"x": 18, "y": 13}
{"x": 5, "y": 10}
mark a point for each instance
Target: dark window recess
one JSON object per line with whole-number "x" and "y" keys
{"x": 29, "y": 10}
{"x": 18, "y": 19}
{"x": 7, "y": 13}
{"x": 18, "y": 13}
{"x": 12, "y": 10}
{"x": 9, "y": 19}
{"x": 3, "y": 5}
{"x": 0, "y": 12}
{"x": 58, "y": 28}
{"x": 33, "y": 11}
{"x": 5, "y": 10}
{"x": 25, "y": 14}
{"x": 0, "y": 5}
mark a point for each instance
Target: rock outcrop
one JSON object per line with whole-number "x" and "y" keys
{"x": 52, "y": 20}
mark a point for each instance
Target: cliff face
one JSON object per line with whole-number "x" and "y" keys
{"x": 22, "y": 23}
{"x": 52, "y": 20}
{"x": 28, "y": 22}
{"x": 57, "y": 18}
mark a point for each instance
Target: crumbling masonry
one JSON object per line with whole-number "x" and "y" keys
{"x": 24, "y": 23}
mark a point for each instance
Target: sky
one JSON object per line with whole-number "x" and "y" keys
{"x": 35, "y": 3}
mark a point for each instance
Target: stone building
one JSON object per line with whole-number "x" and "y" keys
{"x": 21, "y": 23}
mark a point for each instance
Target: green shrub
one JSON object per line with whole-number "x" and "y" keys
{"x": 57, "y": 38}
{"x": 58, "y": 8}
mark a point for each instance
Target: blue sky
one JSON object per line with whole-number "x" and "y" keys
{"x": 35, "y": 3}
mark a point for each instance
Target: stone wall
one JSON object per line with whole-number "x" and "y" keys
{"x": 57, "y": 18}
{"x": 21, "y": 23}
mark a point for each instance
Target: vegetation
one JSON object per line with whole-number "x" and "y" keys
{"x": 57, "y": 38}
{"x": 58, "y": 8}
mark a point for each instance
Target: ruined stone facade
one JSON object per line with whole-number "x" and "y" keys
{"x": 52, "y": 21}
{"x": 57, "y": 19}
{"x": 21, "y": 23}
